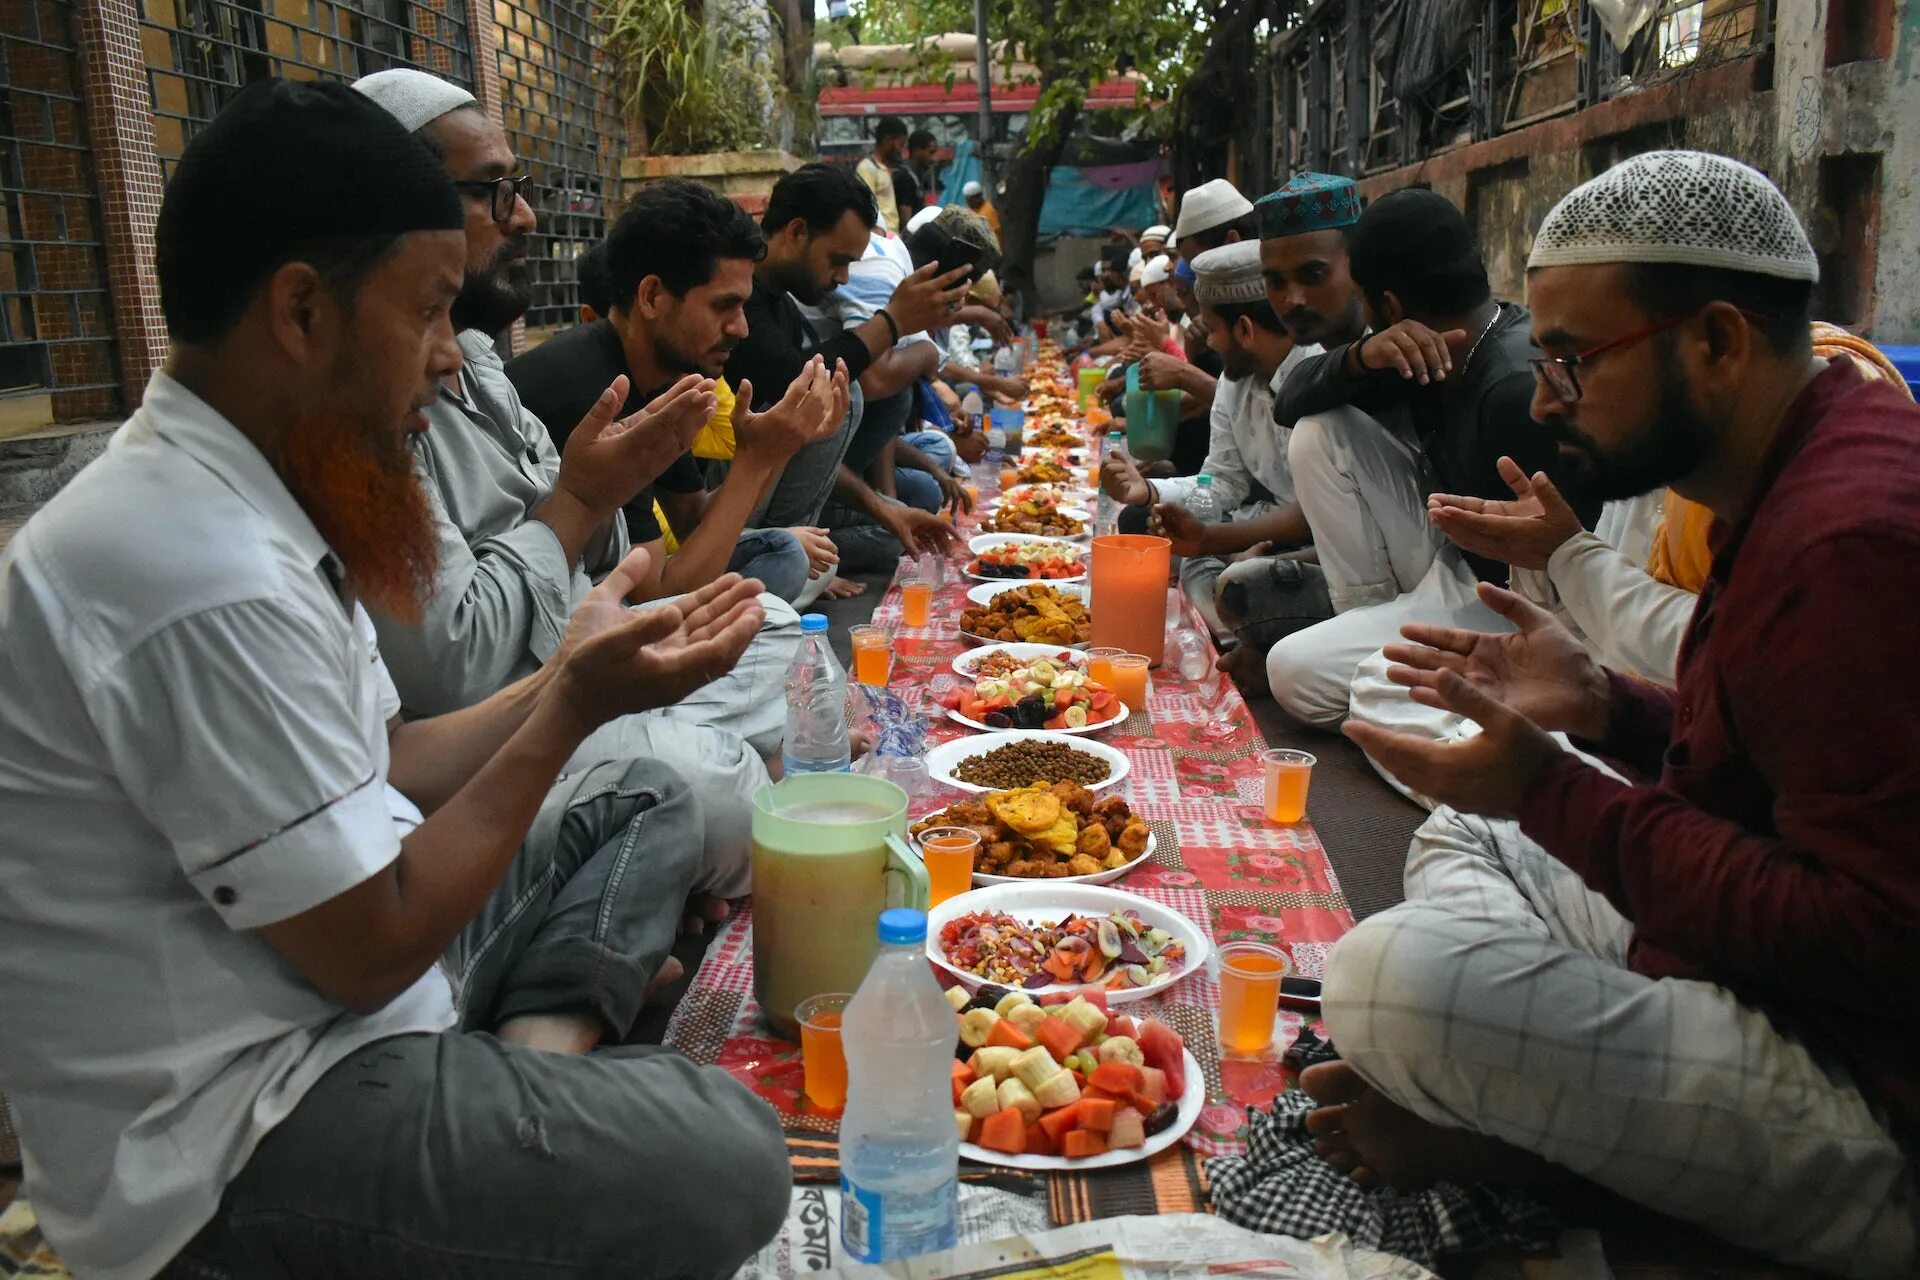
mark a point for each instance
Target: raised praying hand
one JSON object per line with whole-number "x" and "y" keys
{"x": 617, "y": 660}
{"x": 1523, "y": 533}
{"x": 813, "y": 409}
{"x": 605, "y": 462}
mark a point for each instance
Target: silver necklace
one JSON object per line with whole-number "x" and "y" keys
{"x": 1474, "y": 350}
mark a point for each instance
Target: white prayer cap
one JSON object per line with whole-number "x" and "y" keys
{"x": 971, "y": 190}
{"x": 1159, "y": 231}
{"x": 1159, "y": 271}
{"x": 1682, "y": 207}
{"x": 414, "y": 98}
{"x": 1230, "y": 273}
{"x": 923, "y": 217}
{"x": 1209, "y": 205}
{"x": 1135, "y": 273}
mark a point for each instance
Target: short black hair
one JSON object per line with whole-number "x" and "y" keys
{"x": 889, "y": 127}
{"x": 1261, "y": 313}
{"x": 1785, "y": 307}
{"x": 820, "y": 195}
{"x": 1248, "y": 225}
{"x": 595, "y": 280}
{"x": 921, "y": 138}
{"x": 677, "y": 230}
{"x": 1414, "y": 243}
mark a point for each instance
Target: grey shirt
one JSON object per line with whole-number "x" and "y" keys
{"x": 504, "y": 591}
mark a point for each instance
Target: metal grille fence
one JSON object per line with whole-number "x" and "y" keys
{"x": 56, "y": 325}
{"x": 559, "y": 120}
{"x": 200, "y": 52}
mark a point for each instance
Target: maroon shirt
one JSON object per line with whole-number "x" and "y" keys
{"x": 1778, "y": 855}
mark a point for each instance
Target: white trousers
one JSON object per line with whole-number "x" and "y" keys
{"x": 718, "y": 739}
{"x": 1497, "y": 1000}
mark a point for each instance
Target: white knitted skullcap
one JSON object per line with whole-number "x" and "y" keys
{"x": 970, "y": 190}
{"x": 414, "y": 98}
{"x": 1230, "y": 273}
{"x": 1209, "y": 205}
{"x": 1678, "y": 206}
{"x": 1158, "y": 271}
{"x": 1158, "y": 231}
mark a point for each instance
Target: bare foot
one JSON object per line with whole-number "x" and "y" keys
{"x": 1376, "y": 1142}
{"x": 841, "y": 589}
{"x": 704, "y": 909}
{"x": 670, "y": 972}
{"x": 1247, "y": 665}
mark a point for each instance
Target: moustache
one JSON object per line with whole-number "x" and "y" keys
{"x": 516, "y": 248}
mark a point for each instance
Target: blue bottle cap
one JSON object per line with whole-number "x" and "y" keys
{"x": 903, "y": 925}
{"x": 812, "y": 622}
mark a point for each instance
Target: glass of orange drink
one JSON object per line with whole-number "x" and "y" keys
{"x": 1250, "y": 974}
{"x": 1128, "y": 679}
{"x": 916, "y": 595}
{"x": 872, "y": 654}
{"x": 1100, "y": 665}
{"x": 823, "y": 1063}
{"x": 1288, "y": 773}
{"x": 949, "y": 853}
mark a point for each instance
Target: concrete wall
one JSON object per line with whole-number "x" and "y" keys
{"x": 1829, "y": 135}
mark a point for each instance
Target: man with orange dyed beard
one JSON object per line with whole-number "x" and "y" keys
{"x": 292, "y": 985}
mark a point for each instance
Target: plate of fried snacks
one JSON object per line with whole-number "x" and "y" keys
{"x": 1063, "y": 834}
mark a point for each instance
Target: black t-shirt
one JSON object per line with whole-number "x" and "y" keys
{"x": 779, "y": 343}
{"x": 907, "y": 192}
{"x": 560, "y": 380}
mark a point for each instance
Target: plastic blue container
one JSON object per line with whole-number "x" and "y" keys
{"x": 1907, "y": 361}
{"x": 1014, "y": 423}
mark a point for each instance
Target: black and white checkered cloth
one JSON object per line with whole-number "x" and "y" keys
{"x": 1283, "y": 1187}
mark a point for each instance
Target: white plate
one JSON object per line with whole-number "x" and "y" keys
{"x": 986, "y": 542}
{"x": 1191, "y": 1104}
{"x": 1023, "y": 582}
{"x": 1076, "y": 493}
{"x": 1095, "y": 727}
{"x": 1050, "y": 900}
{"x": 1072, "y": 456}
{"x": 969, "y": 662}
{"x": 985, "y": 592}
{"x": 943, "y": 759}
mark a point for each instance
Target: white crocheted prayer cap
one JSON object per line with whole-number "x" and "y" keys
{"x": 414, "y": 98}
{"x": 970, "y": 190}
{"x": 1157, "y": 271}
{"x": 1230, "y": 273}
{"x": 1158, "y": 231}
{"x": 1209, "y": 205}
{"x": 1678, "y": 206}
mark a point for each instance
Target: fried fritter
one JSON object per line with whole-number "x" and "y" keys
{"x": 1093, "y": 841}
{"x": 1082, "y": 865}
{"x": 1133, "y": 838}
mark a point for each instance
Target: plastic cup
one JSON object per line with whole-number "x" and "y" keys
{"x": 1288, "y": 773}
{"x": 949, "y": 853}
{"x": 1128, "y": 679}
{"x": 872, "y": 656}
{"x": 1100, "y": 665}
{"x": 823, "y": 1062}
{"x": 1250, "y": 974}
{"x": 1009, "y": 477}
{"x": 916, "y": 597}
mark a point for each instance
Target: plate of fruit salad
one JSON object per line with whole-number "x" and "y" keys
{"x": 1039, "y": 692}
{"x": 1068, "y": 1085}
{"x": 1025, "y": 555}
{"x": 1048, "y": 939}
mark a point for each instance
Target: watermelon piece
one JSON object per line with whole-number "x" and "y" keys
{"x": 1005, "y": 1131}
{"x": 1129, "y": 1130}
{"x": 1097, "y": 997}
{"x": 1081, "y": 1143}
{"x": 1153, "y": 1084}
{"x": 1167, "y": 1053}
{"x": 1121, "y": 1025}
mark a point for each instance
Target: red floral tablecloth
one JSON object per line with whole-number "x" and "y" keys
{"x": 1196, "y": 778}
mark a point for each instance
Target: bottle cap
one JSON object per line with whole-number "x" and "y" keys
{"x": 1206, "y": 482}
{"x": 902, "y": 925}
{"x": 812, "y": 622}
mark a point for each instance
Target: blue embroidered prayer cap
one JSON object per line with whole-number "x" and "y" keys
{"x": 1183, "y": 270}
{"x": 1309, "y": 202}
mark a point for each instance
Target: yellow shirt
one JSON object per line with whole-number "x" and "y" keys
{"x": 879, "y": 180}
{"x": 714, "y": 441}
{"x": 992, "y": 215}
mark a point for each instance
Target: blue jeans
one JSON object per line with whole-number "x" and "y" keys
{"x": 775, "y": 557}
{"x": 915, "y": 487}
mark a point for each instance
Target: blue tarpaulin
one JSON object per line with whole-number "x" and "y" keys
{"x": 1074, "y": 206}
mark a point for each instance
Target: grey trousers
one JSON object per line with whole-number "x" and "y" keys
{"x": 458, "y": 1157}
{"x": 800, "y": 495}
{"x": 1261, "y": 600}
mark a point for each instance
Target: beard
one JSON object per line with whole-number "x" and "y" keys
{"x": 353, "y": 474}
{"x": 494, "y": 297}
{"x": 673, "y": 360}
{"x": 1668, "y": 448}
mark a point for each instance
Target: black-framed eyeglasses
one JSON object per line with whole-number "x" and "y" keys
{"x": 503, "y": 193}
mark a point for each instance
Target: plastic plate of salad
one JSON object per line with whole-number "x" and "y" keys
{"x": 1051, "y": 939}
{"x": 1026, "y": 557}
{"x": 1045, "y": 690}
{"x": 1069, "y": 1085}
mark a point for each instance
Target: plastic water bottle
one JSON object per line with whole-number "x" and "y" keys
{"x": 1106, "y": 514}
{"x": 1004, "y": 363}
{"x": 973, "y": 405}
{"x": 1192, "y": 658}
{"x": 816, "y": 739}
{"x": 1200, "y": 503}
{"x": 899, "y": 1153}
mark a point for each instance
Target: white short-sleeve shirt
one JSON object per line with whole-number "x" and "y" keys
{"x": 193, "y": 744}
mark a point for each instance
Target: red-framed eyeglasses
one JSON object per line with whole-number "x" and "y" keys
{"x": 1558, "y": 371}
